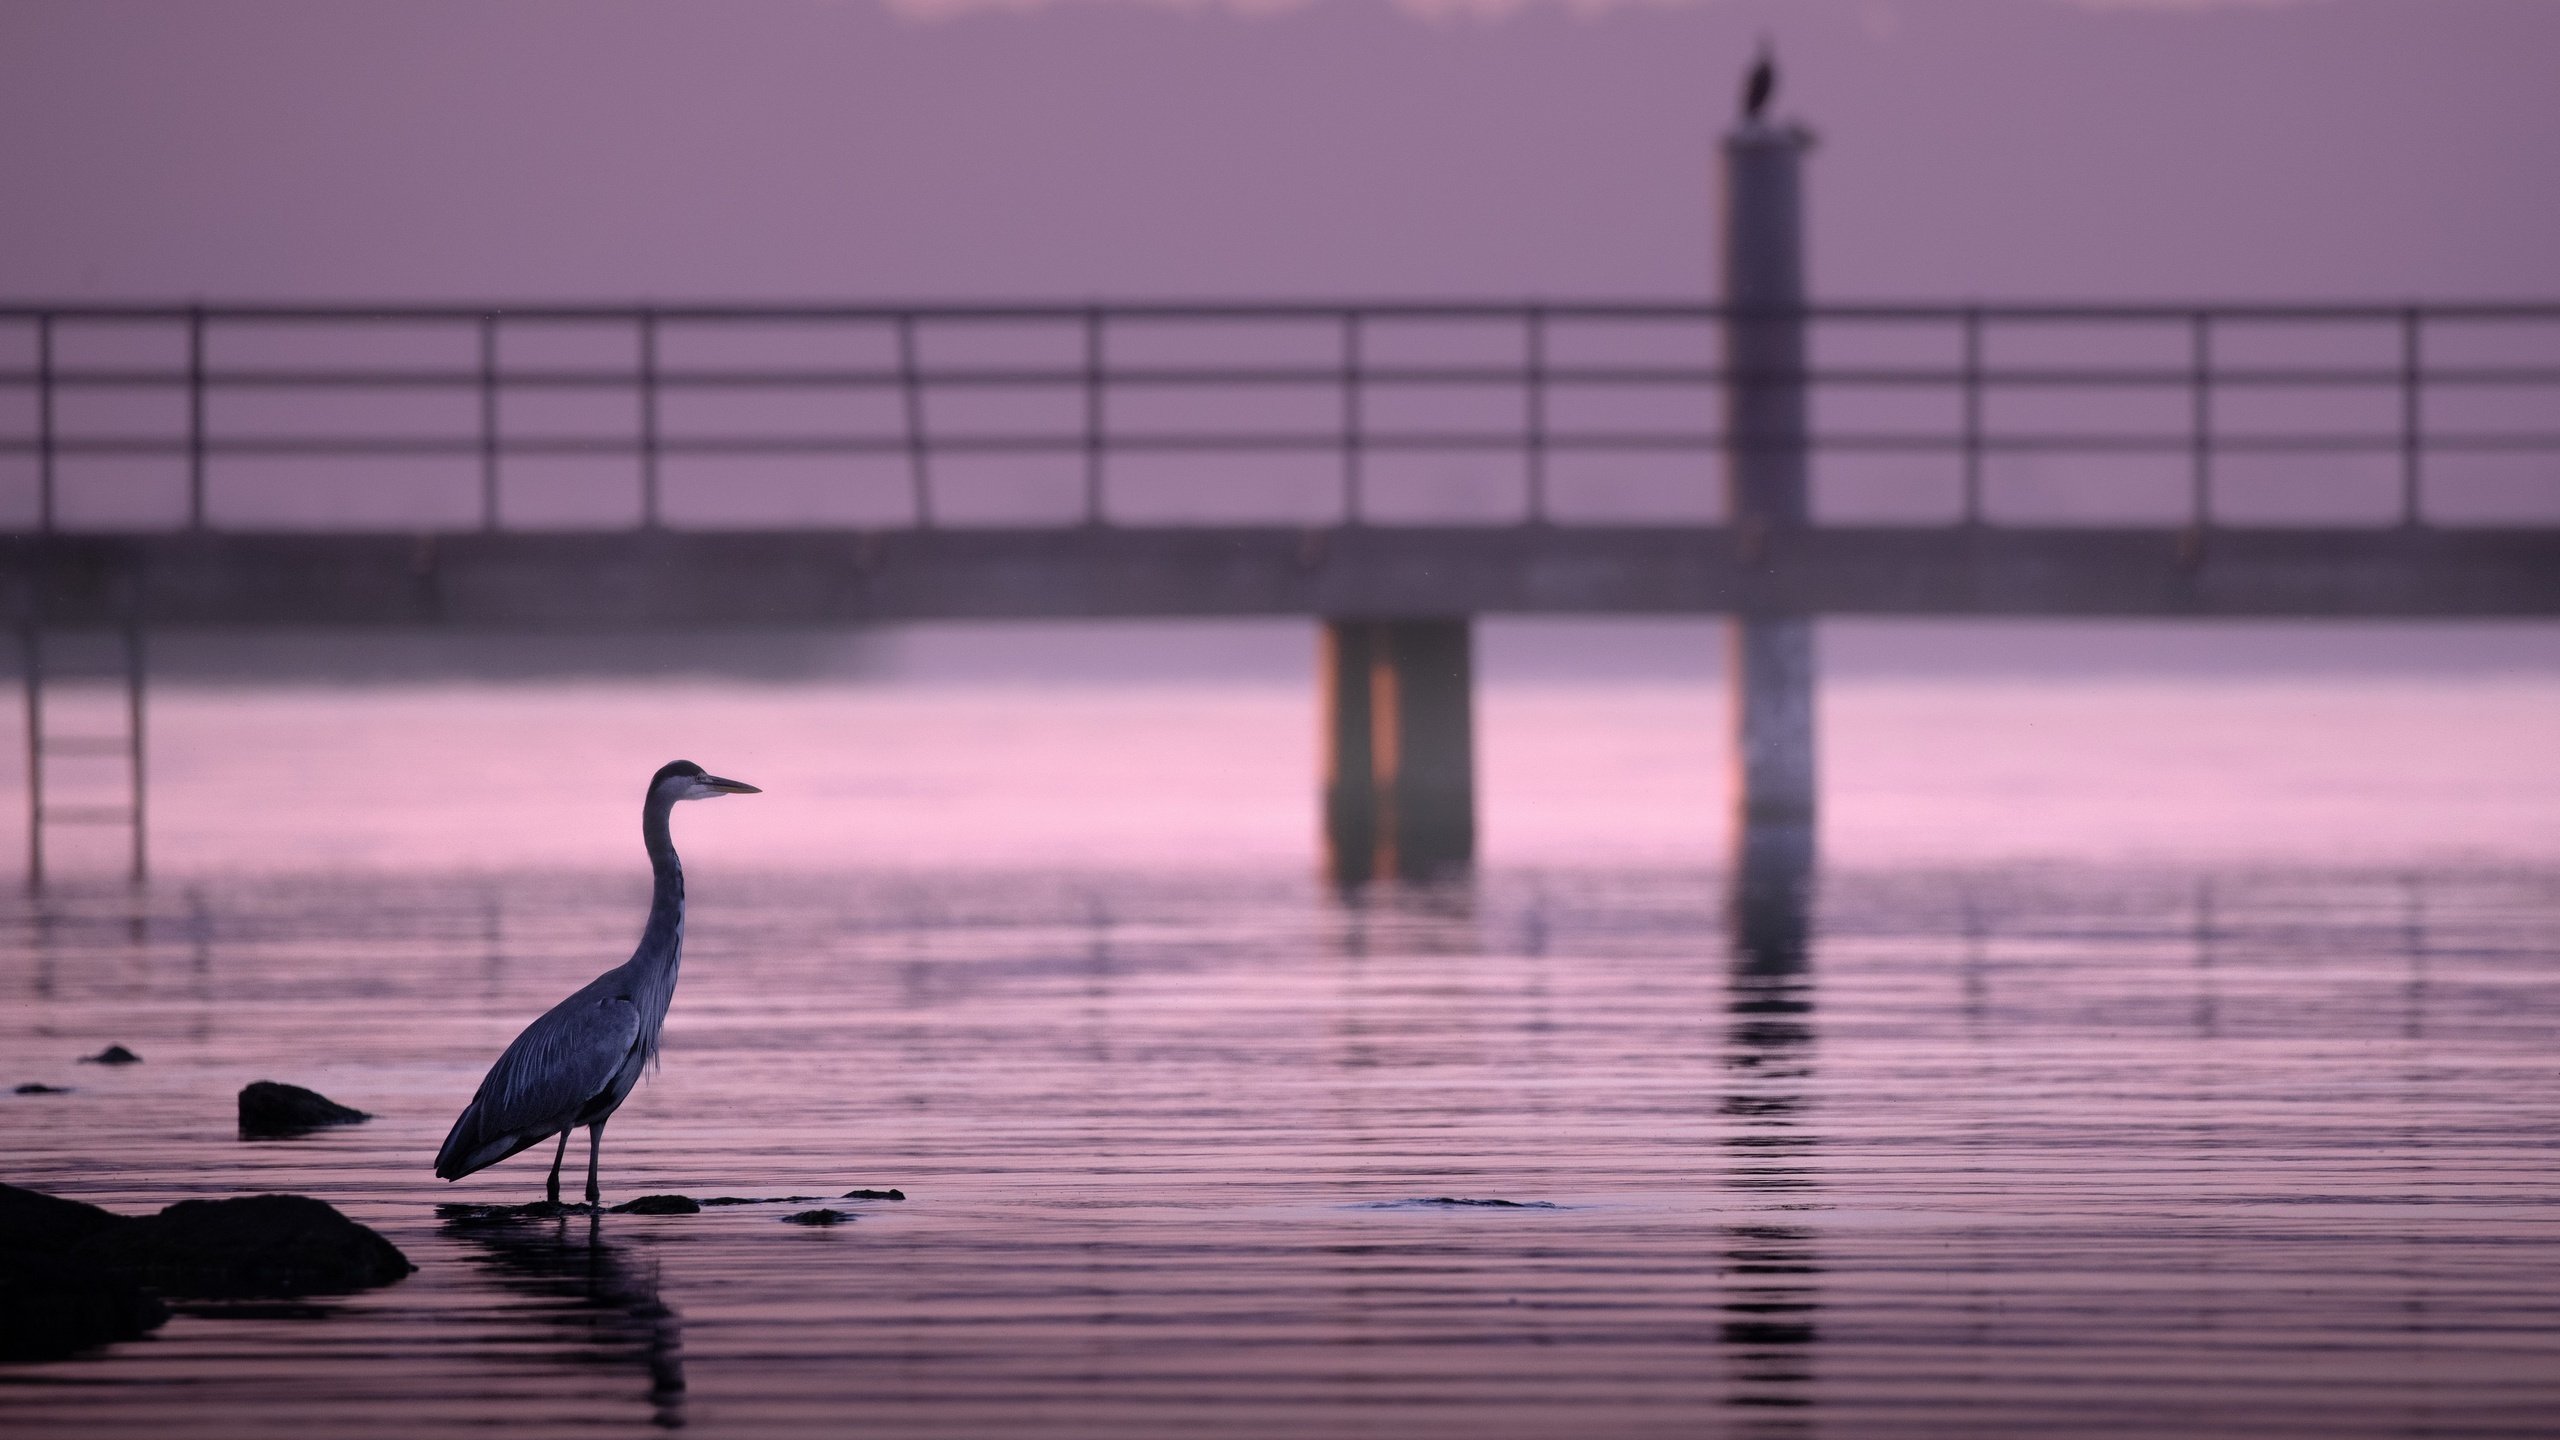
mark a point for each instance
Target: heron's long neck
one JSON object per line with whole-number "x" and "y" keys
{"x": 664, "y": 935}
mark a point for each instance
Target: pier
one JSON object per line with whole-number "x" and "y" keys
{"x": 1386, "y": 469}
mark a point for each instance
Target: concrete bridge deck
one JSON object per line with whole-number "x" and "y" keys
{"x": 568, "y": 581}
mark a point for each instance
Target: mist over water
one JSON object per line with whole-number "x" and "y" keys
{"x": 1192, "y": 746}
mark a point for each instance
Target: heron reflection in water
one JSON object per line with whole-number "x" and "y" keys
{"x": 614, "y": 1316}
{"x": 576, "y": 1064}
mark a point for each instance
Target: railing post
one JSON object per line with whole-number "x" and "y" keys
{"x": 1537, "y": 416}
{"x": 2412, "y": 418}
{"x": 2200, "y": 498}
{"x": 488, "y": 325}
{"x": 1973, "y": 415}
{"x": 911, "y": 384}
{"x": 44, "y": 423}
{"x": 1351, "y": 417}
{"x": 649, "y": 500}
{"x": 1093, "y": 415}
{"x": 195, "y": 430}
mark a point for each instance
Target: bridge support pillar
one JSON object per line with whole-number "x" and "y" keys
{"x": 1768, "y": 497}
{"x": 1400, "y": 783}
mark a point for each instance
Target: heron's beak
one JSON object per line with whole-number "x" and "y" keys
{"x": 730, "y": 787}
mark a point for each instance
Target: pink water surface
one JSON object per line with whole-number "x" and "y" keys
{"x": 1224, "y": 774}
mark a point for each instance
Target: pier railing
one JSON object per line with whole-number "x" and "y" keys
{"x": 215, "y": 417}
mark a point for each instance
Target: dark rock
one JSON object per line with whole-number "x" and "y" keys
{"x": 269, "y": 1110}
{"x": 73, "y": 1276}
{"x": 660, "y": 1205}
{"x": 38, "y": 1087}
{"x": 112, "y": 1055}
{"x": 817, "y": 1217}
{"x": 54, "y": 1300}
{"x": 1489, "y": 1204}
{"x": 55, "y": 1305}
{"x": 873, "y": 1195}
{"x": 252, "y": 1245}
{"x": 766, "y": 1200}
{"x": 32, "y": 1221}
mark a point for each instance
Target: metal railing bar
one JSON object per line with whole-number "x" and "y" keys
{"x": 1312, "y": 375}
{"x": 1310, "y": 311}
{"x": 1074, "y": 442}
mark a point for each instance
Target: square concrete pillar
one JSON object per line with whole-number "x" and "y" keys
{"x": 1399, "y": 794}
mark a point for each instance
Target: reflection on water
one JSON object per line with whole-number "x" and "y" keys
{"x": 612, "y": 1317}
{"x": 2005, "y": 1152}
{"x": 1770, "y": 1269}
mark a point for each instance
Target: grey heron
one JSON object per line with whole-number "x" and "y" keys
{"x": 573, "y": 1066}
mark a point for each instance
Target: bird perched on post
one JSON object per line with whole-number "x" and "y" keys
{"x": 573, "y": 1066}
{"x": 1760, "y": 84}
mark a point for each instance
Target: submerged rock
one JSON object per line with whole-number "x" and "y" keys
{"x": 873, "y": 1195}
{"x": 764, "y": 1200}
{"x": 38, "y": 1087}
{"x": 112, "y": 1055}
{"x": 271, "y": 1110}
{"x": 660, "y": 1205}
{"x": 817, "y": 1217}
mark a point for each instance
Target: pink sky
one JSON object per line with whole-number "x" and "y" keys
{"x": 646, "y": 149}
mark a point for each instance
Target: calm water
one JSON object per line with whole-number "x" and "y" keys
{"x": 2007, "y": 1152}
{"x": 2124, "y": 1140}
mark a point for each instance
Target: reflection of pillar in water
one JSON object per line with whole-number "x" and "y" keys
{"x": 1399, "y": 799}
{"x": 1771, "y": 1299}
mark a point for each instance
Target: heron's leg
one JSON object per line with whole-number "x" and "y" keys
{"x": 595, "y": 1149}
{"x": 556, "y": 1157}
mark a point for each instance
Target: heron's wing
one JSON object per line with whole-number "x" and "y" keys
{"x": 544, "y": 1079}
{"x": 564, "y": 1059}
